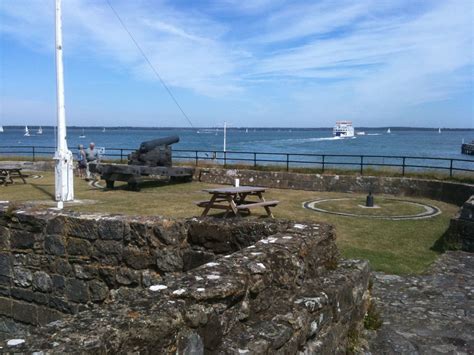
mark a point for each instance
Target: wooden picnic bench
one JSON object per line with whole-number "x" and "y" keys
{"x": 234, "y": 199}
{"x": 7, "y": 174}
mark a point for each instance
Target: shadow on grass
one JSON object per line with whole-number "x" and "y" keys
{"x": 42, "y": 189}
{"x": 146, "y": 185}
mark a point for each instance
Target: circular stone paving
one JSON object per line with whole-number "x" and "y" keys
{"x": 385, "y": 208}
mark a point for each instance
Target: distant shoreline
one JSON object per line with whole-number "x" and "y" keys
{"x": 392, "y": 128}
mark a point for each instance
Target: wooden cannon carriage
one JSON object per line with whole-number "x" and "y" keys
{"x": 151, "y": 162}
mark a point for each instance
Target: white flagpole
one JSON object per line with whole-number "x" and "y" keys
{"x": 63, "y": 156}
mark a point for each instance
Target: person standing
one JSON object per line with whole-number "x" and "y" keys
{"x": 92, "y": 156}
{"x": 81, "y": 161}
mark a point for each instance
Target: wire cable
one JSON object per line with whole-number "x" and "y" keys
{"x": 149, "y": 63}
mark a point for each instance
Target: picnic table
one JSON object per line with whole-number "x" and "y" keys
{"x": 8, "y": 173}
{"x": 234, "y": 199}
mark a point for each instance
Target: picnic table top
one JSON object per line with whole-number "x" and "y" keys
{"x": 235, "y": 190}
{"x": 10, "y": 167}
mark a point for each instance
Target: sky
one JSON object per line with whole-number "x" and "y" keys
{"x": 260, "y": 63}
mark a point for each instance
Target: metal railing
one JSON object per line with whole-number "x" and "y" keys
{"x": 282, "y": 160}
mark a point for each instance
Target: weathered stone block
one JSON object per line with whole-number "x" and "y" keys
{"x": 54, "y": 244}
{"x": 150, "y": 278}
{"x": 107, "y": 274}
{"x": 111, "y": 229}
{"x": 98, "y": 291}
{"x": 4, "y": 238}
{"x": 85, "y": 272}
{"x": 60, "y": 304}
{"x": 5, "y": 306}
{"x": 59, "y": 283}
{"x": 82, "y": 228}
{"x": 62, "y": 267}
{"x": 29, "y": 296}
{"x": 76, "y": 246}
{"x": 77, "y": 291}
{"x": 5, "y": 264}
{"x": 169, "y": 260}
{"x": 22, "y": 277}
{"x": 137, "y": 259}
{"x": 42, "y": 282}
{"x": 5, "y": 280}
{"x": 107, "y": 252}
{"x": 47, "y": 315}
{"x": 127, "y": 277}
{"x": 25, "y": 312}
{"x": 21, "y": 239}
{"x": 4, "y": 291}
{"x": 57, "y": 225}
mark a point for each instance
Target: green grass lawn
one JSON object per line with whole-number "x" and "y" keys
{"x": 399, "y": 247}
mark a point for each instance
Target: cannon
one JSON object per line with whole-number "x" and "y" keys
{"x": 156, "y": 152}
{"x": 151, "y": 161}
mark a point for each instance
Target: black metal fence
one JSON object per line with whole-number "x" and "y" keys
{"x": 286, "y": 161}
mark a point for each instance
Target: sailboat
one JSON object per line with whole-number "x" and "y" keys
{"x": 103, "y": 130}
{"x": 439, "y": 130}
{"x": 82, "y": 135}
{"x": 27, "y": 132}
{"x": 40, "y": 130}
{"x": 1, "y": 129}
{"x": 388, "y": 131}
{"x": 246, "y": 130}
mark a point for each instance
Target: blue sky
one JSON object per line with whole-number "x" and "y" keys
{"x": 252, "y": 63}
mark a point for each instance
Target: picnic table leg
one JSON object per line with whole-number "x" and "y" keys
{"x": 209, "y": 206}
{"x": 22, "y": 177}
{"x": 232, "y": 205}
{"x": 267, "y": 208}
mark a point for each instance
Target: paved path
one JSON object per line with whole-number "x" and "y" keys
{"x": 427, "y": 314}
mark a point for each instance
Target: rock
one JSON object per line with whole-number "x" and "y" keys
{"x": 190, "y": 343}
{"x": 127, "y": 277}
{"x": 54, "y": 244}
{"x": 194, "y": 258}
{"x": 77, "y": 290}
{"x": 98, "y": 291}
{"x": 21, "y": 239}
{"x": 77, "y": 246}
{"x": 169, "y": 260}
{"x": 42, "y": 282}
{"x": 22, "y": 277}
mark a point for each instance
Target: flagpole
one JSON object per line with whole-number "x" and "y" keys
{"x": 64, "y": 188}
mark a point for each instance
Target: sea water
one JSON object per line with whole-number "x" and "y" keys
{"x": 400, "y": 142}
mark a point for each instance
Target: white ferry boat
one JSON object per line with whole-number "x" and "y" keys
{"x": 343, "y": 129}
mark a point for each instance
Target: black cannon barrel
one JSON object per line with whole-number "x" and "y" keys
{"x": 150, "y": 145}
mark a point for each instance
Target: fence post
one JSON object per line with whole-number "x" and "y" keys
{"x": 324, "y": 158}
{"x": 287, "y": 162}
{"x": 403, "y": 167}
{"x": 121, "y": 155}
{"x": 34, "y": 155}
{"x": 254, "y": 160}
{"x": 361, "y": 165}
{"x": 196, "y": 157}
{"x": 451, "y": 168}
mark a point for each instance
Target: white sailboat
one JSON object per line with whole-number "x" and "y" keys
{"x": 82, "y": 135}
{"x": 1, "y": 129}
{"x": 439, "y": 130}
{"x": 103, "y": 130}
{"x": 40, "y": 130}
{"x": 27, "y": 132}
{"x": 388, "y": 131}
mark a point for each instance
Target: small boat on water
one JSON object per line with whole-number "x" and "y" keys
{"x": 27, "y": 132}
{"x": 439, "y": 130}
{"x": 82, "y": 135}
{"x": 1, "y": 129}
{"x": 361, "y": 133}
{"x": 389, "y": 131}
{"x": 40, "y": 130}
{"x": 103, "y": 130}
{"x": 343, "y": 129}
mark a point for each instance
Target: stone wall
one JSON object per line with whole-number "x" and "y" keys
{"x": 460, "y": 234}
{"x": 450, "y": 192}
{"x": 53, "y": 264}
{"x": 187, "y": 286}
